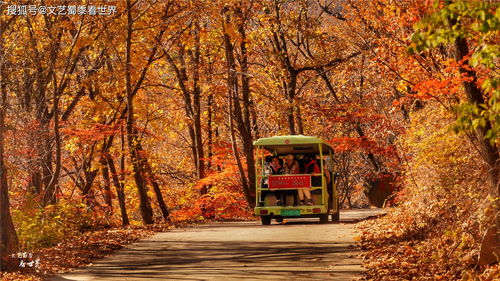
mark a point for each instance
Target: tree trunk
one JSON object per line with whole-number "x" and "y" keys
{"x": 192, "y": 105}
{"x": 86, "y": 182}
{"x": 210, "y": 142}
{"x": 50, "y": 192}
{"x": 151, "y": 178}
{"x": 210, "y": 104}
{"x": 135, "y": 157}
{"x": 236, "y": 154}
{"x": 290, "y": 95}
{"x": 489, "y": 152}
{"x": 196, "y": 64}
{"x": 300, "y": 125}
{"x": 119, "y": 190}
{"x": 159, "y": 197}
{"x": 255, "y": 125}
{"x": 8, "y": 237}
{"x": 235, "y": 110}
{"x": 108, "y": 195}
{"x": 245, "y": 126}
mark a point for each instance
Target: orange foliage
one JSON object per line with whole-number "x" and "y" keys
{"x": 221, "y": 197}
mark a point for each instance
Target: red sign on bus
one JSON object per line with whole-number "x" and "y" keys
{"x": 289, "y": 181}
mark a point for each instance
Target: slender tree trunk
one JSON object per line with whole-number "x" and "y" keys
{"x": 328, "y": 84}
{"x": 135, "y": 157}
{"x": 255, "y": 125}
{"x": 151, "y": 178}
{"x": 290, "y": 95}
{"x": 300, "y": 125}
{"x": 108, "y": 195}
{"x": 8, "y": 237}
{"x": 196, "y": 62}
{"x": 232, "y": 84}
{"x": 46, "y": 151}
{"x": 50, "y": 192}
{"x": 192, "y": 137}
{"x": 122, "y": 157}
{"x": 87, "y": 182}
{"x": 119, "y": 190}
{"x": 290, "y": 83}
{"x": 192, "y": 104}
{"x": 243, "y": 119}
{"x": 236, "y": 154}
{"x": 210, "y": 154}
{"x": 210, "y": 102}
{"x": 159, "y": 197}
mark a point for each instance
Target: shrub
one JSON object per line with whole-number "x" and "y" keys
{"x": 45, "y": 227}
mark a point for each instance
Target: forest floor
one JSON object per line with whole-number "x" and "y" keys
{"x": 237, "y": 250}
{"x": 80, "y": 251}
{"x": 389, "y": 253}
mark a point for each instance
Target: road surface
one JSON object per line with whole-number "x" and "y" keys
{"x": 295, "y": 250}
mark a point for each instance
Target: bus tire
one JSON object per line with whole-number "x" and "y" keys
{"x": 279, "y": 219}
{"x": 266, "y": 220}
{"x": 323, "y": 218}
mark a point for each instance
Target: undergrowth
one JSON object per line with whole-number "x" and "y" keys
{"x": 436, "y": 231}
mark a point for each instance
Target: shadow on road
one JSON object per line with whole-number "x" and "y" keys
{"x": 202, "y": 260}
{"x": 299, "y": 249}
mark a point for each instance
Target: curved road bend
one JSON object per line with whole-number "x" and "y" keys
{"x": 296, "y": 250}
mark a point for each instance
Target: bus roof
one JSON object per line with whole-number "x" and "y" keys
{"x": 293, "y": 144}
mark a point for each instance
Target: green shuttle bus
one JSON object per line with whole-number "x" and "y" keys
{"x": 270, "y": 188}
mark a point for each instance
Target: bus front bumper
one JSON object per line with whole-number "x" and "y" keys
{"x": 290, "y": 211}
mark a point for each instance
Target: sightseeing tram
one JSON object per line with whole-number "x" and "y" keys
{"x": 277, "y": 191}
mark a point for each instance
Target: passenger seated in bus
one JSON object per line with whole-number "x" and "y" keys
{"x": 317, "y": 180}
{"x": 291, "y": 166}
{"x": 275, "y": 168}
{"x": 267, "y": 171}
{"x": 310, "y": 167}
{"x": 267, "y": 161}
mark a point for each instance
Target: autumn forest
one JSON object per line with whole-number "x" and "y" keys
{"x": 138, "y": 115}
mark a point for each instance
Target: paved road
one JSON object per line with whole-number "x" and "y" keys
{"x": 296, "y": 250}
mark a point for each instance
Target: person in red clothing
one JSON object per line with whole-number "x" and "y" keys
{"x": 310, "y": 167}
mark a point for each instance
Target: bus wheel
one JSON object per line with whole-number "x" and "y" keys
{"x": 323, "y": 218}
{"x": 336, "y": 217}
{"x": 279, "y": 219}
{"x": 266, "y": 220}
